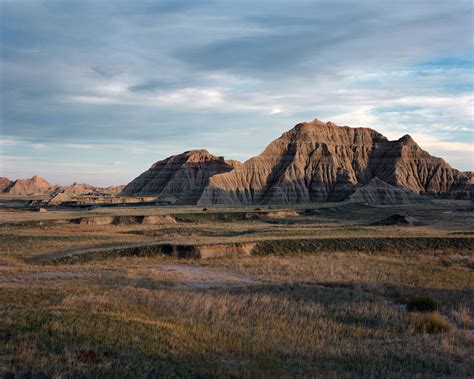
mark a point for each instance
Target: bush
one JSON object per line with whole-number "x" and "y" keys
{"x": 421, "y": 304}
{"x": 432, "y": 323}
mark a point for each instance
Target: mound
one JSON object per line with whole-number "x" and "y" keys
{"x": 378, "y": 192}
{"x": 158, "y": 220}
{"x": 60, "y": 198}
{"x": 99, "y": 220}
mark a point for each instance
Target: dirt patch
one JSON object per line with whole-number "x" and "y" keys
{"x": 158, "y": 220}
{"x": 102, "y": 220}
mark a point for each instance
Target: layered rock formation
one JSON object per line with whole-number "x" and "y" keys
{"x": 317, "y": 161}
{"x": 67, "y": 193}
{"x": 378, "y": 192}
{"x": 75, "y": 189}
{"x": 4, "y": 183}
{"x": 39, "y": 186}
{"x": 113, "y": 190}
{"x": 59, "y": 198}
{"x": 179, "y": 179}
{"x": 32, "y": 186}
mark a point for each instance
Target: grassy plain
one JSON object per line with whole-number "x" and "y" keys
{"x": 323, "y": 293}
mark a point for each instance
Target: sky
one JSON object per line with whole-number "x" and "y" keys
{"x": 96, "y": 91}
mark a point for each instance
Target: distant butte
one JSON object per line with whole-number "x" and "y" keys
{"x": 37, "y": 185}
{"x": 313, "y": 162}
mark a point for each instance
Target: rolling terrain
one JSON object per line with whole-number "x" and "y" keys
{"x": 330, "y": 289}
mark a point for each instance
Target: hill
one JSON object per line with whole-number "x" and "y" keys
{"x": 179, "y": 179}
{"x": 317, "y": 161}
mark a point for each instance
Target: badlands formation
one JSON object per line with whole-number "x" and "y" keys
{"x": 312, "y": 162}
{"x": 32, "y": 186}
{"x": 37, "y": 185}
{"x": 180, "y": 178}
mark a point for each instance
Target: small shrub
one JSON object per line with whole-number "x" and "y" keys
{"x": 463, "y": 316}
{"x": 397, "y": 296}
{"x": 421, "y": 304}
{"x": 432, "y": 323}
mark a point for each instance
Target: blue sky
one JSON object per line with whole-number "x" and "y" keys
{"x": 96, "y": 91}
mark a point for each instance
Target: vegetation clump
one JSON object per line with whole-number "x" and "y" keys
{"x": 422, "y": 304}
{"x": 432, "y": 323}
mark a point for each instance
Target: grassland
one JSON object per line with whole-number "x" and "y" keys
{"x": 323, "y": 294}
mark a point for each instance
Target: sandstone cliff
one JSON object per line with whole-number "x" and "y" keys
{"x": 317, "y": 161}
{"x": 179, "y": 179}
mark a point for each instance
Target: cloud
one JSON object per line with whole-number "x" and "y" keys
{"x": 276, "y": 110}
{"x": 230, "y": 75}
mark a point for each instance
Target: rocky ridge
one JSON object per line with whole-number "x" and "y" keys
{"x": 37, "y": 185}
{"x": 179, "y": 179}
{"x": 317, "y": 161}
{"x": 32, "y": 186}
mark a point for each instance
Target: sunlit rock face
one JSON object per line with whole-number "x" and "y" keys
{"x": 317, "y": 161}
{"x": 32, "y": 186}
{"x": 313, "y": 162}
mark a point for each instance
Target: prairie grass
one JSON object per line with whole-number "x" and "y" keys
{"x": 463, "y": 317}
{"x": 432, "y": 323}
{"x": 294, "y": 310}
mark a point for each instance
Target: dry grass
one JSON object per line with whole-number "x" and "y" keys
{"x": 463, "y": 317}
{"x": 318, "y": 314}
{"x": 432, "y": 323}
